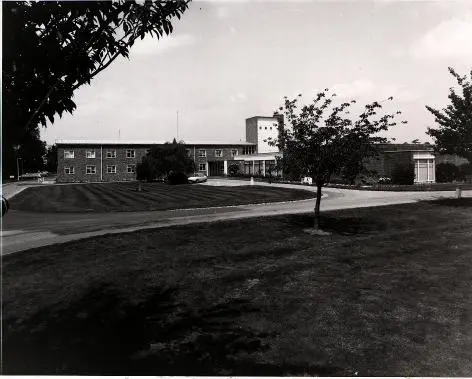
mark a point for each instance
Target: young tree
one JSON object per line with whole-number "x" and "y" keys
{"x": 321, "y": 138}
{"x": 454, "y": 134}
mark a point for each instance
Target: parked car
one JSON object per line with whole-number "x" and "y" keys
{"x": 5, "y": 206}
{"x": 307, "y": 180}
{"x": 198, "y": 177}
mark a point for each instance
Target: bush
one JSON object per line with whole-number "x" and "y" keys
{"x": 177, "y": 178}
{"x": 233, "y": 170}
{"x": 447, "y": 173}
{"x": 403, "y": 174}
{"x": 466, "y": 172}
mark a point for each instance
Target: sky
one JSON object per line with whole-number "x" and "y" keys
{"x": 230, "y": 60}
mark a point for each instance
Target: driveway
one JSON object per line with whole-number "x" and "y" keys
{"x": 25, "y": 230}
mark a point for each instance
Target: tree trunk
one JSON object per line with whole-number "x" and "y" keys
{"x": 317, "y": 206}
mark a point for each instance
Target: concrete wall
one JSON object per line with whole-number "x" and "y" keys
{"x": 267, "y": 128}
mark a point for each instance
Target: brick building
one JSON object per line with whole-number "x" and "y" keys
{"x": 97, "y": 161}
{"x": 109, "y": 161}
{"x": 421, "y": 156}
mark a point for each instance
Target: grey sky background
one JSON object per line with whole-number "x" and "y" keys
{"x": 230, "y": 60}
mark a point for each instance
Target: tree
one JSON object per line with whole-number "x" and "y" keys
{"x": 233, "y": 169}
{"x": 51, "y": 158}
{"x": 447, "y": 173}
{"x": 51, "y": 48}
{"x": 320, "y": 138}
{"x": 454, "y": 134}
{"x": 28, "y": 155}
{"x": 403, "y": 174}
{"x": 163, "y": 160}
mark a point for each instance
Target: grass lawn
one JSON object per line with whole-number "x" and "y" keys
{"x": 388, "y": 293}
{"x": 110, "y": 197}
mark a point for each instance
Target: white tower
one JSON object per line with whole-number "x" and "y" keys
{"x": 260, "y": 128}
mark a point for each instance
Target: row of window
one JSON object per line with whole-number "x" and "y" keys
{"x": 260, "y": 127}
{"x": 202, "y": 153}
{"x": 111, "y": 169}
{"x": 91, "y": 169}
{"x": 131, "y": 153}
{"x": 69, "y": 154}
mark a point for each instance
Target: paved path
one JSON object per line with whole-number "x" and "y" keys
{"x": 25, "y": 230}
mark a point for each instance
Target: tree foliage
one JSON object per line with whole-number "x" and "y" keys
{"x": 233, "y": 169}
{"x": 454, "y": 132}
{"x": 51, "y": 158}
{"x": 162, "y": 161}
{"x": 54, "y": 47}
{"x": 51, "y": 48}
{"x": 320, "y": 138}
{"x": 403, "y": 174}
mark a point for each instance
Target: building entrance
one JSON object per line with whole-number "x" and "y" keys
{"x": 216, "y": 168}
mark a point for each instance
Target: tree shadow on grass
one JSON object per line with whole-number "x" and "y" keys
{"x": 104, "y": 333}
{"x": 344, "y": 225}
{"x": 464, "y": 202}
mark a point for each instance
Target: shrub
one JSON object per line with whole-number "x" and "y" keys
{"x": 466, "y": 172}
{"x": 447, "y": 172}
{"x": 403, "y": 174}
{"x": 233, "y": 170}
{"x": 177, "y": 178}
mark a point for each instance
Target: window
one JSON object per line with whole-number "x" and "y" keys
{"x": 189, "y": 152}
{"x": 111, "y": 169}
{"x": 130, "y": 153}
{"x": 90, "y": 169}
{"x": 111, "y": 153}
{"x": 218, "y": 153}
{"x": 68, "y": 154}
{"x": 271, "y": 128}
{"x": 202, "y": 167}
{"x": 69, "y": 170}
{"x": 131, "y": 169}
{"x": 249, "y": 150}
{"x": 90, "y": 154}
{"x": 234, "y": 152}
{"x": 266, "y": 128}
{"x": 202, "y": 153}
{"x": 260, "y": 127}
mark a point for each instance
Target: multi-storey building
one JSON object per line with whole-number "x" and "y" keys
{"x": 106, "y": 161}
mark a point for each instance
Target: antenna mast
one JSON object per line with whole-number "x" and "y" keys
{"x": 177, "y": 126}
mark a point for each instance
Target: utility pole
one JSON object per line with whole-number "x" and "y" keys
{"x": 177, "y": 126}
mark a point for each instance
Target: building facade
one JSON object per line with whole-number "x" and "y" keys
{"x": 420, "y": 156}
{"x": 109, "y": 161}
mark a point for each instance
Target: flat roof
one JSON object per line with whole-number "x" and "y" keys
{"x": 265, "y": 117}
{"x": 151, "y": 142}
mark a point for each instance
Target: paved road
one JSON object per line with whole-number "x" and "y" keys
{"x": 24, "y": 230}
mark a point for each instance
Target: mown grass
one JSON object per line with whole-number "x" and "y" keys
{"x": 388, "y": 293}
{"x": 111, "y": 197}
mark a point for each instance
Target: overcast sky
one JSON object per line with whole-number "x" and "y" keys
{"x": 230, "y": 60}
